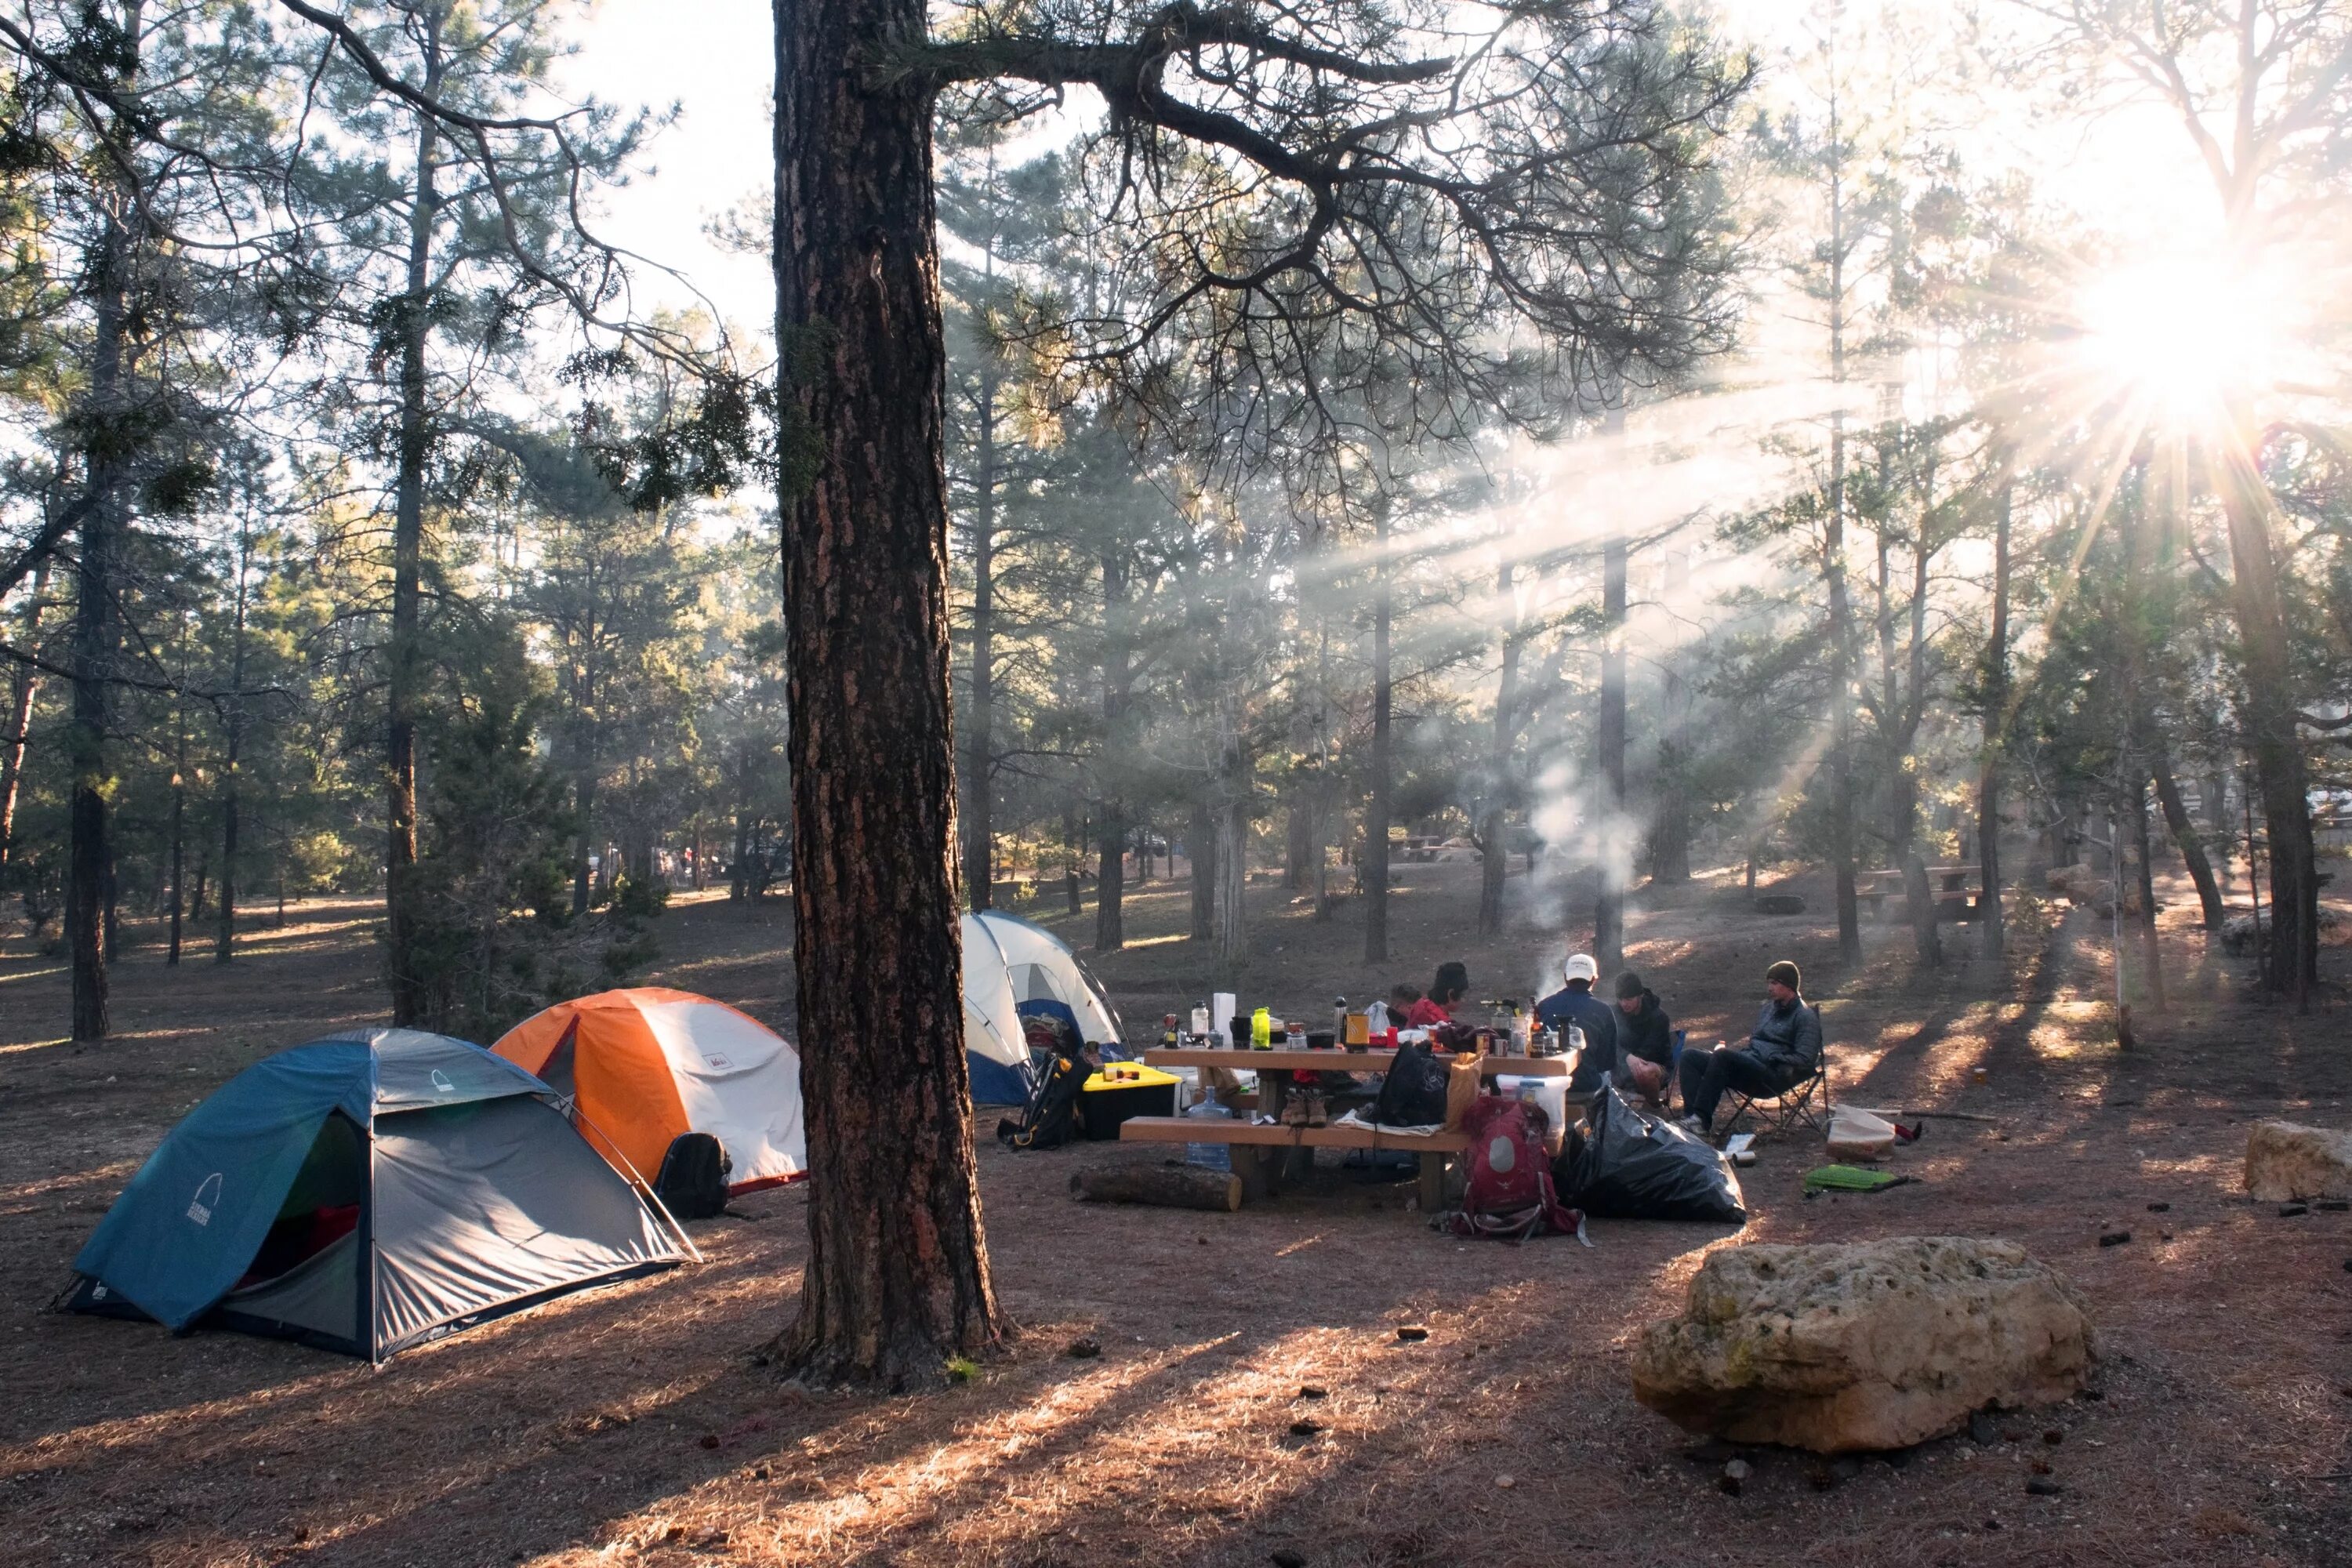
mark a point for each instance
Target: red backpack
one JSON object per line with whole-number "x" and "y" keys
{"x": 1510, "y": 1195}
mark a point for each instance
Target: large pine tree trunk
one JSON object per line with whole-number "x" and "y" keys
{"x": 898, "y": 1274}
{"x": 2291, "y": 958}
{"x": 979, "y": 724}
{"x": 1110, "y": 859}
{"x": 1201, "y": 841}
{"x": 1375, "y": 876}
{"x": 1995, "y": 724}
{"x": 1612, "y": 839}
{"x": 2144, "y": 872}
{"x": 405, "y": 663}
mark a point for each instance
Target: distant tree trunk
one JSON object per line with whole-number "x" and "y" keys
{"x": 1297, "y": 835}
{"x": 1608, "y": 725}
{"x": 2291, "y": 960}
{"x": 113, "y": 903}
{"x": 980, "y": 722}
{"x": 404, "y": 661}
{"x": 1494, "y": 831}
{"x": 1840, "y": 615}
{"x": 738, "y": 870}
{"x": 1928, "y": 945}
{"x": 588, "y": 867}
{"x": 2135, "y": 819}
{"x": 232, "y": 779}
{"x": 1110, "y": 860}
{"x": 204, "y": 877}
{"x": 1993, "y": 731}
{"x": 2185, "y": 833}
{"x": 2215, "y": 789}
{"x": 1375, "y": 875}
{"x": 26, "y": 685}
{"x": 1233, "y": 865}
{"x": 898, "y": 1277}
{"x": 1073, "y": 850}
{"x": 179, "y": 857}
{"x": 1670, "y": 821}
{"x": 1202, "y": 840}
{"x": 90, "y": 851}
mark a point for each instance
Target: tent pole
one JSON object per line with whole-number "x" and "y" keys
{"x": 637, "y": 1177}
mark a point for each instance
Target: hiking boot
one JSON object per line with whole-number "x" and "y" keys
{"x": 1293, "y": 1110}
{"x": 1318, "y": 1113}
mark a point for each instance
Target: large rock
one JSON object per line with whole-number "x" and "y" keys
{"x": 1880, "y": 1345}
{"x": 2285, "y": 1162}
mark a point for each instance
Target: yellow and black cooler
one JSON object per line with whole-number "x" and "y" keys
{"x": 1121, "y": 1089}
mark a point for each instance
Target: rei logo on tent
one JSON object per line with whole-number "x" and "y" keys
{"x": 441, "y": 1084}
{"x": 198, "y": 1209}
{"x": 721, "y": 1063}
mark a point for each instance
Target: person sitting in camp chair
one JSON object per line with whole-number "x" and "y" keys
{"x": 1783, "y": 1051}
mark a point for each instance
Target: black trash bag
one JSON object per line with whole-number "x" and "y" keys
{"x": 693, "y": 1179}
{"x": 1630, "y": 1165}
{"x": 1413, "y": 1094}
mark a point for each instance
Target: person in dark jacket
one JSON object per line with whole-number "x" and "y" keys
{"x": 1782, "y": 1051}
{"x": 1575, "y": 1006}
{"x": 1645, "y": 1038}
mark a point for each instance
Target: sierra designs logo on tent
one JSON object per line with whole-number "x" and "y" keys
{"x": 441, "y": 1084}
{"x": 207, "y": 1198}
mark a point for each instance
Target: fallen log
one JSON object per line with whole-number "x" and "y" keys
{"x": 1162, "y": 1187}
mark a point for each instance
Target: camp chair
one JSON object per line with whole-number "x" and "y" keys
{"x": 1805, "y": 1103}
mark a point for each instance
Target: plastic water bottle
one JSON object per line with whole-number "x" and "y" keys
{"x": 1208, "y": 1156}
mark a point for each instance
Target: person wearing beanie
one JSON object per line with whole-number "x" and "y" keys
{"x": 1574, "y": 1006}
{"x": 1781, "y": 1052}
{"x": 1645, "y": 1038}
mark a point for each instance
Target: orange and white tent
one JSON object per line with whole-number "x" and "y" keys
{"x": 643, "y": 1066}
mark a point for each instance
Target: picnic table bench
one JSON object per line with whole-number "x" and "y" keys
{"x": 1957, "y": 891}
{"x": 1251, "y": 1142}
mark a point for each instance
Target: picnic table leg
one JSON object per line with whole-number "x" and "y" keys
{"x": 1433, "y": 1181}
{"x": 1250, "y": 1165}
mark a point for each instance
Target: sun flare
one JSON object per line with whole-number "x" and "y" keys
{"x": 2181, "y": 335}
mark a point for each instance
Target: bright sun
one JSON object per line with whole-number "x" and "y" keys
{"x": 2183, "y": 336}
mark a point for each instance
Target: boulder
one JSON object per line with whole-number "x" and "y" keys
{"x": 2284, "y": 1161}
{"x": 1875, "y": 1345}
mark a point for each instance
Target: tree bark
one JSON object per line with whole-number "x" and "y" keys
{"x": 179, "y": 857}
{"x": 1994, "y": 729}
{"x": 1841, "y": 627}
{"x": 897, "y": 1275}
{"x": 1613, "y": 839}
{"x": 1928, "y": 945}
{"x": 1493, "y": 832}
{"x": 232, "y": 779}
{"x": 405, "y": 663}
{"x": 1375, "y": 874}
{"x": 979, "y": 724}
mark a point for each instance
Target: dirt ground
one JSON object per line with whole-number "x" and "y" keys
{"x": 637, "y": 1425}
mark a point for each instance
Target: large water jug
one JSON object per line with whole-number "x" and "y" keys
{"x": 1208, "y": 1156}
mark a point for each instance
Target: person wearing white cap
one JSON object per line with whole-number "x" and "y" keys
{"x": 1575, "y": 1006}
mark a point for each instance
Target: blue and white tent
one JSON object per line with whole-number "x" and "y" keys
{"x": 366, "y": 1192}
{"x": 1013, "y": 971}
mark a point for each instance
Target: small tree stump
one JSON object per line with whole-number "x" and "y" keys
{"x": 1163, "y": 1186}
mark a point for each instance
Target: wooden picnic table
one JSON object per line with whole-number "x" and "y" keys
{"x": 1254, "y": 1143}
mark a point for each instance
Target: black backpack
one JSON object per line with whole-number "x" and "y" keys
{"x": 693, "y": 1179}
{"x": 1052, "y": 1117}
{"x": 1413, "y": 1095}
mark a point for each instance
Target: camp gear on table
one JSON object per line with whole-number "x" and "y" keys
{"x": 1013, "y": 971}
{"x": 366, "y": 1192}
{"x": 693, "y": 1179}
{"x": 1509, "y": 1193}
{"x": 1463, "y": 1081}
{"x": 1632, "y": 1167}
{"x": 645, "y": 1065}
{"x": 1121, "y": 1089}
{"x": 1050, "y": 1118}
{"x": 1413, "y": 1094}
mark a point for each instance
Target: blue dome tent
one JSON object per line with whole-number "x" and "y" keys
{"x": 366, "y": 1192}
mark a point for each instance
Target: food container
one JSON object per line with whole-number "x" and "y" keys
{"x": 1359, "y": 1030}
{"x": 1319, "y": 1040}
